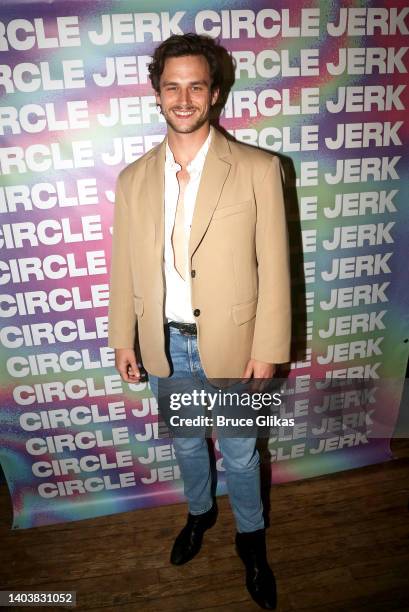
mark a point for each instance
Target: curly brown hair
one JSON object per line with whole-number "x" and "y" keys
{"x": 179, "y": 45}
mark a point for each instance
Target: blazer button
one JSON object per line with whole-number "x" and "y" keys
{"x": 193, "y": 273}
{"x": 196, "y": 312}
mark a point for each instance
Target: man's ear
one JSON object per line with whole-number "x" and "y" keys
{"x": 215, "y": 96}
{"x": 157, "y": 98}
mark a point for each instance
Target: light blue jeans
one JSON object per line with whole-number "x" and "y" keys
{"x": 241, "y": 459}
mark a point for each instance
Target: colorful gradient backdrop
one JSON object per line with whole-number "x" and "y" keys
{"x": 104, "y": 386}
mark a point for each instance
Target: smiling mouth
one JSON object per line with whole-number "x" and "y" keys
{"x": 183, "y": 114}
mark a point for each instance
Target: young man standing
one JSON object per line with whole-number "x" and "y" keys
{"x": 200, "y": 282}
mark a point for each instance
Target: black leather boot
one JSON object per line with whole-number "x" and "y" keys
{"x": 189, "y": 540}
{"x": 260, "y": 581}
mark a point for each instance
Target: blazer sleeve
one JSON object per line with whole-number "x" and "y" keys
{"x": 272, "y": 333}
{"x": 121, "y": 310}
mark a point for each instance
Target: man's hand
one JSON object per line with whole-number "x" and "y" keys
{"x": 259, "y": 370}
{"x": 125, "y": 363}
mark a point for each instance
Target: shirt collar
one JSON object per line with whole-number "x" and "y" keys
{"x": 197, "y": 162}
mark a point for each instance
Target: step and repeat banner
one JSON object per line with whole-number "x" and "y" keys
{"x": 322, "y": 84}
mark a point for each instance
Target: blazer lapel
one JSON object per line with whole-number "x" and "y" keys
{"x": 155, "y": 182}
{"x": 215, "y": 172}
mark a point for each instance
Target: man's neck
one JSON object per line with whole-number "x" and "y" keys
{"x": 185, "y": 146}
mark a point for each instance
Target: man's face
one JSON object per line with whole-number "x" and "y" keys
{"x": 185, "y": 95}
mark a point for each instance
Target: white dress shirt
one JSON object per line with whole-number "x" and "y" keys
{"x": 178, "y": 303}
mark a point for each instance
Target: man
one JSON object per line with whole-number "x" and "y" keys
{"x": 200, "y": 282}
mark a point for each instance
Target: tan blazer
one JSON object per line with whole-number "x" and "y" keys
{"x": 238, "y": 256}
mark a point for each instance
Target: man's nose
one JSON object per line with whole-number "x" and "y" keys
{"x": 184, "y": 96}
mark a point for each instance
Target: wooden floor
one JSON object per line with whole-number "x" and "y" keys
{"x": 336, "y": 543}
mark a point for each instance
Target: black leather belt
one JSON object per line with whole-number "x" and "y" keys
{"x": 188, "y": 329}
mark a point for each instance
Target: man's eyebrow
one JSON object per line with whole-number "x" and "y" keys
{"x": 201, "y": 82}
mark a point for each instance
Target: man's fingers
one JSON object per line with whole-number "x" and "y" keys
{"x": 247, "y": 373}
{"x": 123, "y": 371}
{"x": 256, "y": 385}
{"x": 264, "y": 384}
{"x": 133, "y": 370}
{"x": 126, "y": 365}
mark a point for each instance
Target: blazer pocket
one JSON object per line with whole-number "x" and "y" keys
{"x": 138, "y": 304}
{"x": 244, "y": 312}
{"x": 232, "y": 210}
